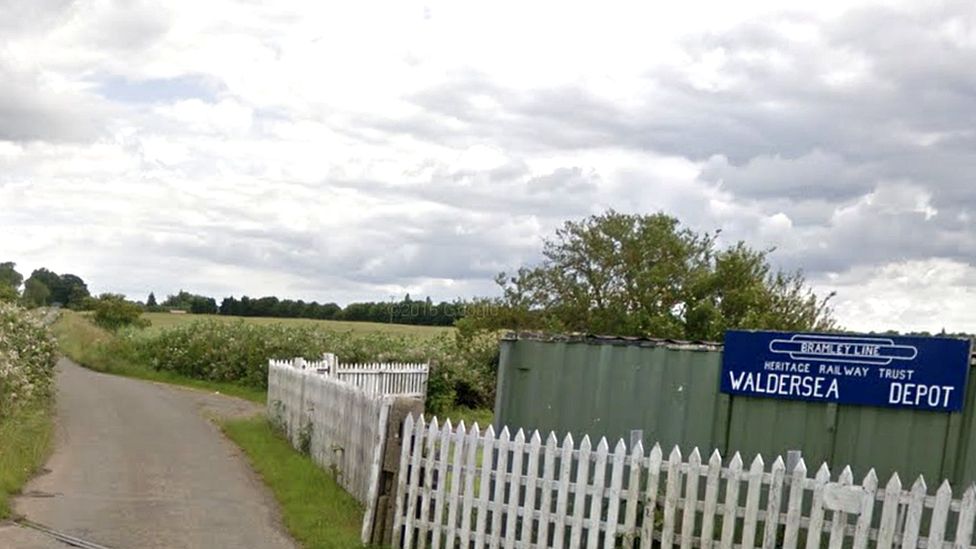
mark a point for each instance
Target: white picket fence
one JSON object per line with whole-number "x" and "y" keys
{"x": 342, "y": 427}
{"x": 378, "y": 378}
{"x": 464, "y": 488}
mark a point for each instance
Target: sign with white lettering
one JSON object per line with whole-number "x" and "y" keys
{"x": 928, "y": 373}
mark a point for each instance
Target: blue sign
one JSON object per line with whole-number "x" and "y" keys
{"x": 926, "y": 373}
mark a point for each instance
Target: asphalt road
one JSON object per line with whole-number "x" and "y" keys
{"x": 139, "y": 464}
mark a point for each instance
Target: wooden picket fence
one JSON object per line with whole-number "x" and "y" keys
{"x": 376, "y": 378}
{"x": 472, "y": 488}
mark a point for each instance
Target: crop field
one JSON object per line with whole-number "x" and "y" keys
{"x": 161, "y": 321}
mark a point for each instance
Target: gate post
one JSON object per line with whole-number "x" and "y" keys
{"x": 393, "y": 445}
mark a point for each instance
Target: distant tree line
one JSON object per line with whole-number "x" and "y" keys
{"x": 406, "y": 311}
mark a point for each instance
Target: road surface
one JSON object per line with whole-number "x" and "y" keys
{"x": 140, "y": 464}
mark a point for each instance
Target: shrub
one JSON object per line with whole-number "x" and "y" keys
{"x": 463, "y": 364}
{"x": 27, "y": 358}
{"x": 239, "y": 351}
{"x": 112, "y": 312}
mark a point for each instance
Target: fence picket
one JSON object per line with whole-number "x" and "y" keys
{"x": 401, "y": 490}
{"x": 596, "y": 502}
{"x": 838, "y": 522}
{"x": 863, "y": 528}
{"x": 613, "y": 496}
{"x": 751, "y": 519}
{"x": 731, "y": 501}
{"x": 440, "y": 493}
{"x": 426, "y": 490}
{"x": 940, "y": 512}
{"x": 691, "y": 496}
{"x": 532, "y": 478}
{"x": 500, "y": 469}
{"x": 523, "y": 493}
{"x": 671, "y": 495}
{"x": 514, "y": 489}
{"x": 913, "y": 522}
{"x": 889, "y": 513}
{"x": 579, "y": 495}
{"x": 457, "y": 480}
{"x": 650, "y": 496}
{"x": 815, "y": 527}
{"x": 562, "y": 491}
{"x": 967, "y": 514}
{"x": 473, "y": 444}
{"x": 414, "y": 481}
{"x": 711, "y": 500}
{"x": 795, "y": 506}
{"x": 484, "y": 487}
{"x": 548, "y": 482}
{"x": 773, "y": 504}
{"x": 633, "y": 494}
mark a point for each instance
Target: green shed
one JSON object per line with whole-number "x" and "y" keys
{"x": 609, "y": 386}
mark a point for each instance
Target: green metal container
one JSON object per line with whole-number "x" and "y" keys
{"x": 607, "y": 387}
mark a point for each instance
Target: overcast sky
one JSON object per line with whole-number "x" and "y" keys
{"x": 364, "y": 150}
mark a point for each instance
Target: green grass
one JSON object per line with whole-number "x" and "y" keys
{"x": 317, "y": 511}
{"x": 482, "y": 416}
{"x": 25, "y": 441}
{"x": 99, "y": 350}
{"x": 162, "y": 321}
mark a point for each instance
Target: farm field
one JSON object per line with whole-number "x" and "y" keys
{"x": 162, "y": 321}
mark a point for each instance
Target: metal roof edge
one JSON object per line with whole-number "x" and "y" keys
{"x": 600, "y": 339}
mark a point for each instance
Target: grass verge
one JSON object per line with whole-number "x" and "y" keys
{"x": 482, "y": 416}
{"x": 317, "y": 511}
{"x": 25, "y": 442}
{"x": 100, "y": 350}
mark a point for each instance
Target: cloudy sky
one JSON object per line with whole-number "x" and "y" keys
{"x": 361, "y": 150}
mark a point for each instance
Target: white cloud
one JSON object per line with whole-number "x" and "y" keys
{"x": 920, "y": 295}
{"x": 353, "y": 151}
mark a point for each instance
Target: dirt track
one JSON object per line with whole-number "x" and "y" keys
{"x": 139, "y": 464}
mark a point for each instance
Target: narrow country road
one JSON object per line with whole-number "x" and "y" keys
{"x": 139, "y": 464}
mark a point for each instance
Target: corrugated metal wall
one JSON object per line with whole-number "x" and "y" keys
{"x": 606, "y": 387}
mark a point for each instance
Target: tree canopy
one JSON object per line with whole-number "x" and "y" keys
{"x": 9, "y": 275}
{"x": 647, "y": 275}
{"x": 67, "y": 289}
{"x": 10, "y": 281}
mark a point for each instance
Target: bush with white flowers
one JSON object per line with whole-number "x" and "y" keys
{"x": 27, "y": 357}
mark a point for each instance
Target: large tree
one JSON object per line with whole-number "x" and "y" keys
{"x": 68, "y": 289}
{"x": 10, "y": 281}
{"x": 647, "y": 275}
{"x": 9, "y": 275}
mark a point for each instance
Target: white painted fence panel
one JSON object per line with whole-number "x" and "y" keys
{"x": 342, "y": 427}
{"x": 376, "y": 378}
{"x": 465, "y": 487}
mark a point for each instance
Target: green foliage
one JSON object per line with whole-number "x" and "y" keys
{"x": 27, "y": 358}
{"x": 113, "y": 312}
{"x": 646, "y": 275}
{"x": 463, "y": 364}
{"x": 26, "y": 436}
{"x": 407, "y": 311}
{"x": 185, "y": 301}
{"x": 222, "y": 354}
{"x": 9, "y": 277}
{"x": 68, "y": 289}
{"x": 7, "y": 294}
{"x": 239, "y": 351}
{"x": 36, "y": 294}
{"x": 115, "y": 353}
{"x": 151, "y": 304}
